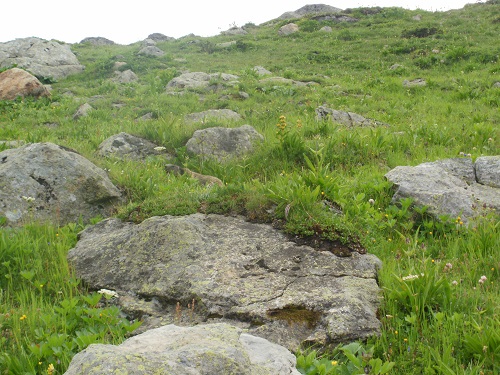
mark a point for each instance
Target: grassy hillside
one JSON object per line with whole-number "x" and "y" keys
{"x": 445, "y": 321}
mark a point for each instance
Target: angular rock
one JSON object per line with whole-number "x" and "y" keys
{"x": 212, "y": 114}
{"x": 261, "y": 71}
{"x": 125, "y": 146}
{"x": 453, "y": 187}
{"x": 16, "y": 82}
{"x": 204, "y": 349}
{"x": 148, "y": 42}
{"x": 98, "y": 41}
{"x": 326, "y": 29}
{"x": 288, "y": 29}
{"x": 199, "y": 80}
{"x": 496, "y": 84}
{"x": 337, "y": 18}
{"x": 395, "y": 66}
{"x": 151, "y": 51}
{"x": 249, "y": 275}
{"x": 419, "y": 82}
{"x": 348, "y": 119}
{"x": 47, "y": 182}
{"x": 223, "y": 143}
{"x": 127, "y": 76}
{"x": 44, "y": 59}
{"x": 82, "y": 111}
{"x": 312, "y": 9}
{"x": 488, "y": 171}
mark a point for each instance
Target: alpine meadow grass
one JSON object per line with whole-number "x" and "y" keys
{"x": 440, "y": 278}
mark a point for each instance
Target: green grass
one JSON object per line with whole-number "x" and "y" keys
{"x": 437, "y": 317}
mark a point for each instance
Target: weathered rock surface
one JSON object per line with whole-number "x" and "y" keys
{"x": 245, "y": 274}
{"x": 261, "y": 71}
{"x": 17, "y": 82}
{"x": 212, "y": 114}
{"x": 82, "y": 111}
{"x": 326, "y": 29}
{"x": 151, "y": 51}
{"x": 349, "y": 119}
{"x": 205, "y": 349}
{"x": 126, "y": 146}
{"x": 453, "y": 187}
{"x": 235, "y": 31}
{"x": 97, "y": 41}
{"x": 47, "y": 182}
{"x": 200, "y": 80}
{"x": 290, "y": 28}
{"x": 286, "y": 81}
{"x": 44, "y": 59}
{"x": 127, "y": 76}
{"x": 419, "y": 82}
{"x": 312, "y": 9}
{"x": 223, "y": 143}
{"x": 337, "y": 18}
{"x": 158, "y": 37}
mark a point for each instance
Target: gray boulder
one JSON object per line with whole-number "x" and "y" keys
{"x": 82, "y": 111}
{"x": 261, "y": 71}
{"x": 418, "y": 82}
{"x": 158, "y": 37}
{"x": 44, "y": 59}
{"x": 235, "y": 31}
{"x": 212, "y": 114}
{"x": 290, "y": 28}
{"x": 348, "y": 119}
{"x": 98, "y": 41}
{"x": 16, "y": 82}
{"x": 230, "y": 270}
{"x": 223, "y": 143}
{"x": 151, "y": 51}
{"x": 213, "y": 349}
{"x": 496, "y": 84}
{"x": 127, "y": 76}
{"x": 126, "y": 146}
{"x": 148, "y": 42}
{"x": 309, "y": 10}
{"x": 453, "y": 187}
{"x": 195, "y": 80}
{"x": 286, "y": 81}
{"x": 326, "y": 29}
{"x": 47, "y": 182}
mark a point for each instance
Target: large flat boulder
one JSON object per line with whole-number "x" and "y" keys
{"x": 454, "y": 187}
{"x": 16, "y": 82}
{"x": 230, "y": 270}
{"x": 204, "y": 349}
{"x": 195, "y": 80}
{"x": 223, "y": 143}
{"x": 47, "y": 182}
{"x": 45, "y": 59}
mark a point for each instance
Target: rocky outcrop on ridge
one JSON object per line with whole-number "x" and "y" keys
{"x": 97, "y": 41}
{"x": 45, "y": 59}
{"x": 312, "y": 9}
{"x": 246, "y": 274}
{"x": 453, "y": 187}
{"x": 223, "y": 143}
{"x": 204, "y": 349}
{"x": 47, "y": 182}
{"x": 16, "y": 82}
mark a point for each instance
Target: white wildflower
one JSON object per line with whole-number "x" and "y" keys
{"x": 108, "y": 293}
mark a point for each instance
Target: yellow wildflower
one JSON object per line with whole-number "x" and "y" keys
{"x": 23, "y": 317}
{"x": 50, "y": 369}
